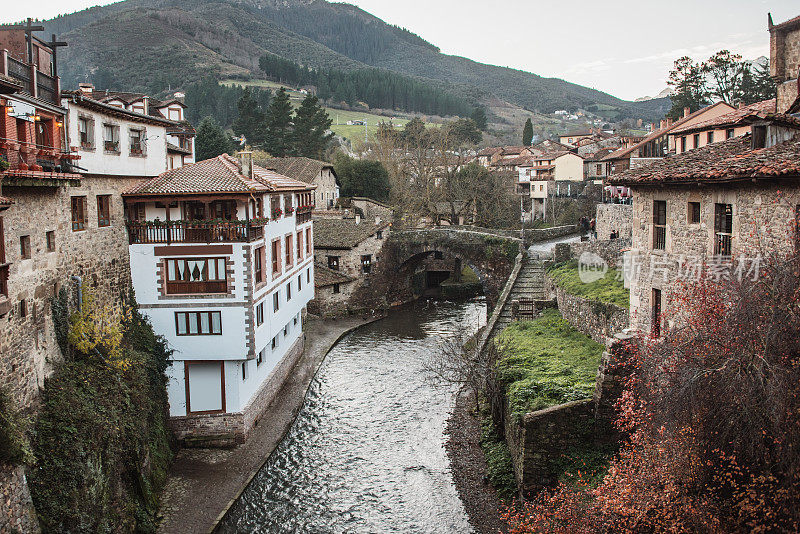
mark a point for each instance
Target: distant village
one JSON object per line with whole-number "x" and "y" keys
{"x": 229, "y": 257}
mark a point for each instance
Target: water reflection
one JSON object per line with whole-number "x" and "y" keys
{"x": 366, "y": 451}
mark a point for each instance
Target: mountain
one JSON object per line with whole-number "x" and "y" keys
{"x": 154, "y": 44}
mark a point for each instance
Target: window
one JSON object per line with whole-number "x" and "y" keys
{"x": 276, "y": 257}
{"x": 308, "y": 241}
{"x": 723, "y": 229}
{"x": 655, "y": 329}
{"x": 260, "y": 314}
{"x": 275, "y": 206}
{"x": 659, "y": 224}
{"x": 258, "y": 262}
{"x": 103, "y": 210}
{"x": 260, "y": 358}
{"x": 202, "y": 323}
{"x": 136, "y": 142}
{"x": 196, "y": 275}
{"x": 286, "y": 330}
{"x": 336, "y": 288}
{"x": 276, "y": 300}
{"x": 710, "y": 137}
{"x": 44, "y": 133}
{"x": 138, "y": 107}
{"x": 308, "y": 275}
{"x": 333, "y": 262}
{"x": 86, "y": 132}
{"x": 694, "y": 212}
{"x": 294, "y": 321}
{"x": 683, "y": 144}
{"x": 23, "y": 308}
{"x": 299, "y": 282}
{"x": 729, "y": 133}
{"x": 366, "y": 263}
{"x": 288, "y": 292}
{"x": 299, "y": 246}
{"x": 599, "y": 169}
{"x": 696, "y": 140}
{"x": 287, "y": 204}
{"x": 274, "y": 344}
{"x": 289, "y": 251}
{"x": 25, "y": 247}
{"x": 50, "y": 238}
{"x": 111, "y": 138}
{"x": 379, "y": 234}
{"x": 244, "y": 371}
{"x": 80, "y": 215}
{"x": 174, "y": 113}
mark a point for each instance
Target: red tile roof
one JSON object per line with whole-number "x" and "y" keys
{"x": 222, "y": 174}
{"x": 730, "y": 160}
{"x": 324, "y": 276}
{"x": 300, "y": 168}
{"x": 5, "y": 201}
{"x": 489, "y": 151}
{"x": 622, "y": 152}
{"x": 729, "y": 119}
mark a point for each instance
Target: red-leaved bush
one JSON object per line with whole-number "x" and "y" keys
{"x": 712, "y": 417}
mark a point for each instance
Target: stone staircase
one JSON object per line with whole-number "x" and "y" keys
{"x": 530, "y": 284}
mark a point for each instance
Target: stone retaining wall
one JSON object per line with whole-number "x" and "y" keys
{"x": 611, "y": 217}
{"x": 608, "y": 249}
{"x": 598, "y": 320}
{"x": 16, "y": 507}
{"x": 230, "y": 428}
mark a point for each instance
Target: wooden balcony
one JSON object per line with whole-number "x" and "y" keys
{"x": 149, "y": 232}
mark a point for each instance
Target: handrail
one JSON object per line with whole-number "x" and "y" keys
{"x": 484, "y": 338}
{"x": 205, "y": 231}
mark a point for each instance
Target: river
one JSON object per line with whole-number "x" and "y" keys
{"x": 366, "y": 452}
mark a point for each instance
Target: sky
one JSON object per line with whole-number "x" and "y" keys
{"x": 623, "y": 47}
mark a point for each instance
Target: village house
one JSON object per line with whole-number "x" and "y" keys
{"x": 222, "y": 264}
{"x": 310, "y": 171}
{"x": 723, "y": 204}
{"x": 659, "y": 143}
{"x": 346, "y": 252}
{"x": 784, "y": 63}
{"x": 180, "y": 133}
{"x": 733, "y": 124}
{"x": 572, "y": 139}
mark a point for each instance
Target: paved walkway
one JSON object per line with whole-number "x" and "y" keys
{"x": 204, "y": 482}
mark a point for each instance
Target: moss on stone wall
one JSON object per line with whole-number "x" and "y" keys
{"x": 101, "y": 444}
{"x": 607, "y": 290}
{"x": 545, "y": 362}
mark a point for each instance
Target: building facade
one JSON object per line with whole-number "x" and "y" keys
{"x": 311, "y": 171}
{"x": 222, "y": 264}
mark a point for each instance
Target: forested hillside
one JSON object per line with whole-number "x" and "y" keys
{"x": 158, "y": 44}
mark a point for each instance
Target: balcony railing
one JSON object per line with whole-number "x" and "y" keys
{"x": 722, "y": 244}
{"x": 47, "y": 87}
{"x": 659, "y": 237}
{"x": 148, "y": 232}
{"x": 21, "y": 72}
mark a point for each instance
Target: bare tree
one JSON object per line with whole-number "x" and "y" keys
{"x": 459, "y": 363}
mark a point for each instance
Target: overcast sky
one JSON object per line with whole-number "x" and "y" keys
{"x": 623, "y": 47}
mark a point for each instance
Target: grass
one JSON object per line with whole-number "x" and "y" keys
{"x": 340, "y": 117}
{"x": 546, "y": 362}
{"x": 608, "y": 290}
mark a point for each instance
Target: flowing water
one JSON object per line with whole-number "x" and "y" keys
{"x": 366, "y": 453}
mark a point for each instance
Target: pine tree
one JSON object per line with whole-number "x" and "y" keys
{"x": 688, "y": 80}
{"x": 277, "y": 132}
{"x": 527, "y": 133}
{"x": 479, "y": 116}
{"x": 311, "y": 125}
{"x": 211, "y": 140}
{"x": 249, "y": 122}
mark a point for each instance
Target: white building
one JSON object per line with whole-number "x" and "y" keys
{"x": 222, "y": 260}
{"x": 179, "y": 136}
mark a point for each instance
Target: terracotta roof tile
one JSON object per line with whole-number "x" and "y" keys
{"x": 489, "y": 151}
{"x": 5, "y": 201}
{"x": 324, "y": 276}
{"x": 299, "y": 168}
{"x": 728, "y": 160}
{"x": 222, "y": 174}
{"x": 343, "y": 233}
{"x": 734, "y": 117}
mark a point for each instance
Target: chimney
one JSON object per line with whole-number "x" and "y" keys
{"x": 358, "y": 218}
{"x": 246, "y": 161}
{"x": 86, "y": 87}
{"x": 663, "y": 124}
{"x": 742, "y": 105}
{"x": 146, "y": 102}
{"x": 377, "y": 220}
{"x": 686, "y": 111}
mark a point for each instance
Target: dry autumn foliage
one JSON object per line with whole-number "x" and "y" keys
{"x": 712, "y": 417}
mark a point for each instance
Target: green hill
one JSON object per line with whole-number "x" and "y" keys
{"x": 153, "y": 45}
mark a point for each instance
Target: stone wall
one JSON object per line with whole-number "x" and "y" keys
{"x": 763, "y": 223}
{"x": 612, "y": 217}
{"x": 598, "y": 320}
{"x": 227, "y": 429}
{"x": 609, "y": 249}
{"x": 16, "y": 507}
{"x": 539, "y": 439}
{"x": 99, "y": 256}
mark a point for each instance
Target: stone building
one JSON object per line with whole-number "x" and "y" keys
{"x": 348, "y": 250}
{"x": 722, "y": 204}
{"x": 310, "y": 171}
{"x": 784, "y": 64}
{"x": 222, "y": 265}
{"x": 732, "y": 124}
